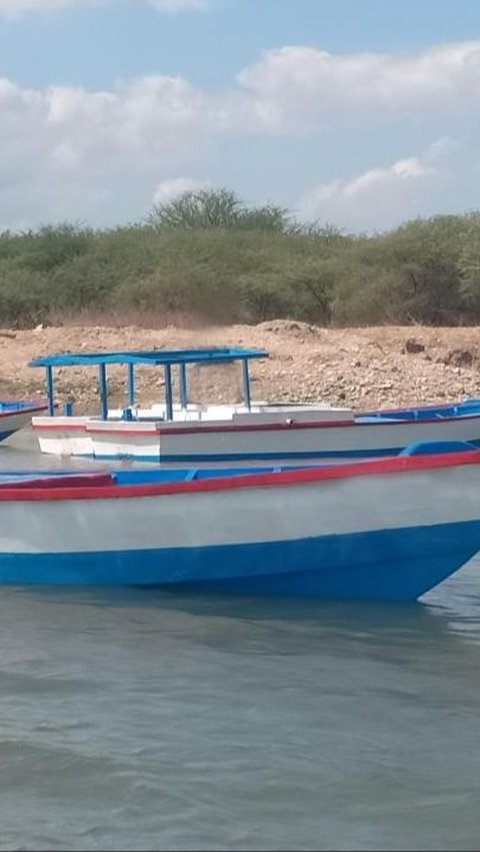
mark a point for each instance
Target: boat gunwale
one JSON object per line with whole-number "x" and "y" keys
{"x": 303, "y": 476}
{"x": 28, "y": 409}
{"x": 159, "y": 428}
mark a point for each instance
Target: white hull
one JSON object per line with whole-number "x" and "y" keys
{"x": 389, "y": 530}
{"x": 16, "y": 420}
{"x": 243, "y": 442}
{"x": 241, "y": 515}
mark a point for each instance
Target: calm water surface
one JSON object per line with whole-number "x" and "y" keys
{"x": 139, "y": 720}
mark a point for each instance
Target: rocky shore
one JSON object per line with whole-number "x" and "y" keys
{"x": 359, "y": 367}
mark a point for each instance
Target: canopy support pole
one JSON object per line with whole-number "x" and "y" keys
{"x": 246, "y": 384}
{"x": 183, "y": 386}
{"x": 131, "y": 384}
{"x": 102, "y": 386}
{"x": 49, "y": 388}
{"x": 168, "y": 392}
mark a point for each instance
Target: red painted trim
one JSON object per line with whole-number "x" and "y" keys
{"x": 398, "y": 464}
{"x": 56, "y": 427}
{"x": 279, "y": 425}
{"x": 309, "y": 424}
{"x": 67, "y": 481}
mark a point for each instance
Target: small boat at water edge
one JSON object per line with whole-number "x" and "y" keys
{"x": 388, "y": 529}
{"x": 246, "y": 433}
{"x": 16, "y": 414}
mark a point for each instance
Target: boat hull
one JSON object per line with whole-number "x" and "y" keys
{"x": 16, "y": 416}
{"x": 384, "y": 566}
{"x": 380, "y": 533}
{"x": 244, "y": 444}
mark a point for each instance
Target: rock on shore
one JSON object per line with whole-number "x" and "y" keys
{"x": 361, "y": 367}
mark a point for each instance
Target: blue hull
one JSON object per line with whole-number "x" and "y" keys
{"x": 394, "y": 565}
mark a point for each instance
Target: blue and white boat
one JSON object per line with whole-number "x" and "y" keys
{"x": 388, "y": 529}
{"x": 16, "y": 415}
{"x": 179, "y": 432}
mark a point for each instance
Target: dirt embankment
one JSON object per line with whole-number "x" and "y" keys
{"x": 362, "y": 368}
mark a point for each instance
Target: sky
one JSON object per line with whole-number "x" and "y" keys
{"x": 358, "y": 113}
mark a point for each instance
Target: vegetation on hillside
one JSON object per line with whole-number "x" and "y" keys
{"x": 208, "y": 256}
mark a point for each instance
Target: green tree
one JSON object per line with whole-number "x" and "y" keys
{"x": 218, "y": 208}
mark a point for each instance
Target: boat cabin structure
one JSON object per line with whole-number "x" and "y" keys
{"x": 174, "y": 363}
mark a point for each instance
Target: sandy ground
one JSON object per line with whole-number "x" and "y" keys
{"x": 362, "y": 368}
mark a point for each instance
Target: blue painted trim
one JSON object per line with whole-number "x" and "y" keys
{"x": 246, "y": 456}
{"x": 200, "y": 458}
{"x": 17, "y": 406}
{"x": 428, "y": 448}
{"x": 241, "y": 457}
{"x": 319, "y": 454}
{"x": 393, "y": 565}
{"x": 206, "y": 354}
{"x": 5, "y": 435}
{"x": 172, "y": 474}
{"x": 467, "y": 408}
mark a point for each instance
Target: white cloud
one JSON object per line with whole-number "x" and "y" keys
{"x": 15, "y": 8}
{"x": 12, "y": 8}
{"x": 306, "y": 85}
{"x": 70, "y": 153}
{"x": 101, "y": 156}
{"x": 180, "y": 5}
{"x": 168, "y": 190}
{"x": 381, "y": 197}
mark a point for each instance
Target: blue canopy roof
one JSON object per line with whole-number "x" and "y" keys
{"x": 155, "y": 357}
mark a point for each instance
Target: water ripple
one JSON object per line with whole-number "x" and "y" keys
{"x": 146, "y": 720}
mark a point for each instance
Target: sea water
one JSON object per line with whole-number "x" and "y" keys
{"x": 145, "y": 720}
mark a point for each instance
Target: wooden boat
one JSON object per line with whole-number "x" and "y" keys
{"x": 388, "y": 529}
{"x": 246, "y": 433}
{"x": 16, "y": 414}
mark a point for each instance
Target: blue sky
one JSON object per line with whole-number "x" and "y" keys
{"x": 359, "y": 112}
{"x": 95, "y": 46}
